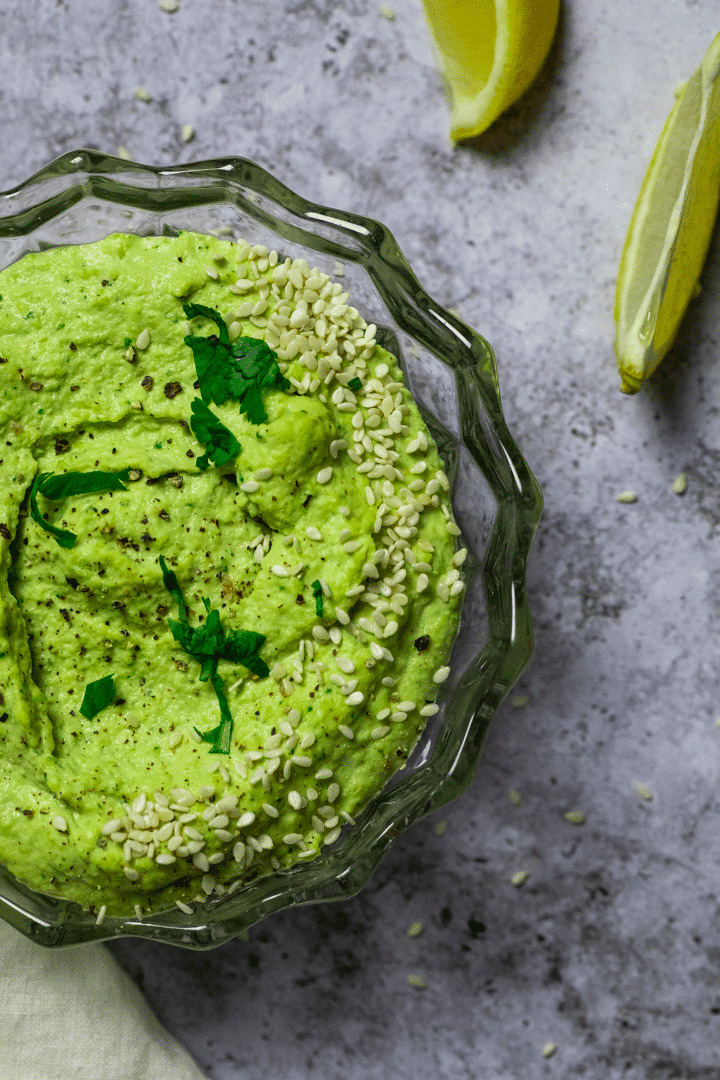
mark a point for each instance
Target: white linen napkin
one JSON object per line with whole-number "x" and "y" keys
{"x": 73, "y": 1014}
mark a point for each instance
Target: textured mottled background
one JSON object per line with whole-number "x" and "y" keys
{"x": 611, "y": 949}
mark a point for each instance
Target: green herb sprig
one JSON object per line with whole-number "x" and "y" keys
{"x": 55, "y": 488}
{"x": 318, "y": 597}
{"x": 220, "y": 444}
{"x": 239, "y": 370}
{"x": 97, "y": 696}
{"x": 208, "y": 644}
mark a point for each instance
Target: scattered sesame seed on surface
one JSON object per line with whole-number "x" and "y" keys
{"x": 643, "y": 790}
{"x": 515, "y": 797}
{"x": 59, "y": 823}
{"x": 170, "y": 6}
{"x": 519, "y": 878}
{"x": 575, "y": 817}
{"x": 124, "y": 153}
{"x": 519, "y": 701}
{"x": 101, "y": 915}
{"x": 679, "y": 484}
{"x": 441, "y": 827}
{"x": 143, "y": 339}
{"x": 416, "y": 981}
{"x": 549, "y": 1049}
{"x": 187, "y": 133}
{"x": 415, "y": 929}
{"x": 626, "y": 497}
{"x": 140, "y": 93}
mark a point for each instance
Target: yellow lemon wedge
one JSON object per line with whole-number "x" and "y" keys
{"x": 671, "y": 227}
{"x": 488, "y": 52}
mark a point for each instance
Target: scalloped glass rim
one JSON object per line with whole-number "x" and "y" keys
{"x": 444, "y": 763}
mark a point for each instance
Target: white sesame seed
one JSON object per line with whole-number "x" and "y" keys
{"x": 346, "y": 731}
{"x": 280, "y": 571}
{"x": 325, "y": 475}
{"x": 430, "y": 710}
{"x": 441, "y": 674}
{"x": 59, "y": 823}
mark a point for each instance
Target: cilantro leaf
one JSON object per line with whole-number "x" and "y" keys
{"x": 242, "y": 647}
{"x": 64, "y": 485}
{"x": 237, "y": 370}
{"x": 172, "y": 585}
{"x": 64, "y": 538}
{"x": 208, "y": 644}
{"x": 82, "y": 483}
{"x": 354, "y": 384}
{"x": 219, "y": 737}
{"x": 97, "y": 696}
{"x": 194, "y": 310}
{"x": 318, "y": 595}
{"x": 221, "y": 445}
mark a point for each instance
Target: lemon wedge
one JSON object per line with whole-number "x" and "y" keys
{"x": 671, "y": 227}
{"x": 488, "y": 51}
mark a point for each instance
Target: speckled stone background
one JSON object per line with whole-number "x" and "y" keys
{"x": 611, "y": 950}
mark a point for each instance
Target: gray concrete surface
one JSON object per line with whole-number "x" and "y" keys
{"x": 611, "y": 949}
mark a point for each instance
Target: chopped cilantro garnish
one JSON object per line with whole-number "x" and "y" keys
{"x": 238, "y": 370}
{"x": 64, "y": 485}
{"x": 208, "y": 644}
{"x": 318, "y": 595}
{"x": 97, "y": 696}
{"x": 354, "y": 384}
{"x": 82, "y": 483}
{"x": 220, "y": 443}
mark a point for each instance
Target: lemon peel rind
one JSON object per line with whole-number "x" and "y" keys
{"x": 645, "y": 334}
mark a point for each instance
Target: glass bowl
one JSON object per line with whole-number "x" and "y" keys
{"x": 83, "y": 196}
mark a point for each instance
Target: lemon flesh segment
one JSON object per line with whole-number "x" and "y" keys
{"x": 488, "y": 52}
{"x": 671, "y": 227}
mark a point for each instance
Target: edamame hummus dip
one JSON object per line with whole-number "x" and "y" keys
{"x": 229, "y": 574}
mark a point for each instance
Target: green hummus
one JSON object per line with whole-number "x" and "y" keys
{"x": 314, "y": 562}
